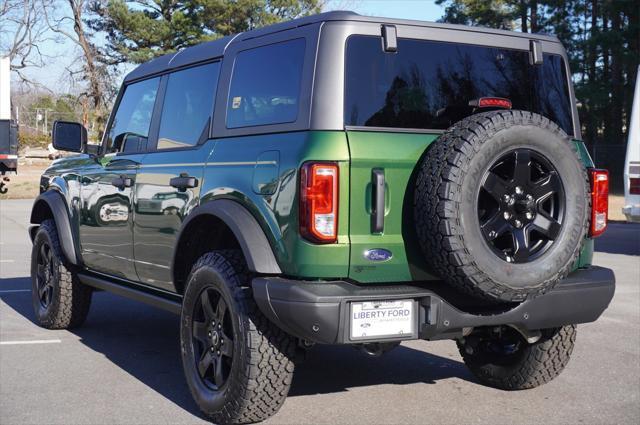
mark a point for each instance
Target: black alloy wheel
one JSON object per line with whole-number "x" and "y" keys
{"x": 212, "y": 338}
{"x": 45, "y": 275}
{"x": 521, "y": 205}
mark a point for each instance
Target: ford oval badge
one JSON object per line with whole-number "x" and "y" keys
{"x": 378, "y": 254}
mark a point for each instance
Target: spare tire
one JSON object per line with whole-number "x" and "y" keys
{"x": 502, "y": 205}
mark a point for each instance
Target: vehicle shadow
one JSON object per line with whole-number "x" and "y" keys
{"x": 143, "y": 341}
{"x": 620, "y": 238}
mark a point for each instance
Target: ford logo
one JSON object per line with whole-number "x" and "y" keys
{"x": 378, "y": 254}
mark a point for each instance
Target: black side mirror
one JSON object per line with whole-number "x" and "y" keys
{"x": 69, "y": 136}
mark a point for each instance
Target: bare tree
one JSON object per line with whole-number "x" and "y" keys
{"x": 67, "y": 19}
{"x": 22, "y": 33}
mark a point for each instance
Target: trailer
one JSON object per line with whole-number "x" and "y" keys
{"x": 8, "y": 128}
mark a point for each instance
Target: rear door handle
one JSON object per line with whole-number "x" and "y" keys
{"x": 184, "y": 182}
{"x": 377, "y": 200}
{"x": 122, "y": 182}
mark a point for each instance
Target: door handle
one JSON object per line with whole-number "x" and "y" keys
{"x": 184, "y": 182}
{"x": 122, "y": 182}
{"x": 377, "y": 200}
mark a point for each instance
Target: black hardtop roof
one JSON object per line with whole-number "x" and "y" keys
{"x": 216, "y": 48}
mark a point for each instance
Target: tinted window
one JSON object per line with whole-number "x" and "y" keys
{"x": 265, "y": 87}
{"x": 429, "y": 84}
{"x": 130, "y": 128}
{"x": 187, "y": 106}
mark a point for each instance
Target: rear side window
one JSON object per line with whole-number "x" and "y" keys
{"x": 428, "y": 84}
{"x": 130, "y": 127}
{"x": 265, "y": 86}
{"x": 187, "y": 106}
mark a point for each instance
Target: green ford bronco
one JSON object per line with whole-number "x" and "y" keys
{"x": 337, "y": 179}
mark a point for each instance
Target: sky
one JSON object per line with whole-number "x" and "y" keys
{"x": 62, "y": 52}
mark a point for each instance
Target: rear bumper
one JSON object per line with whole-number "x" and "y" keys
{"x": 319, "y": 311}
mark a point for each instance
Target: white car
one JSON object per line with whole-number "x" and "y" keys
{"x": 631, "y": 207}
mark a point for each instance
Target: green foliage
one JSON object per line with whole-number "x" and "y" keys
{"x": 140, "y": 30}
{"x": 601, "y": 38}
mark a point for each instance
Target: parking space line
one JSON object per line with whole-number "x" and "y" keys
{"x": 11, "y": 291}
{"x": 35, "y": 341}
{"x": 7, "y": 261}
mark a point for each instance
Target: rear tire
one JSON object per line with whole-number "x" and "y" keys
{"x": 246, "y": 377}
{"x": 60, "y": 301}
{"x": 496, "y": 363}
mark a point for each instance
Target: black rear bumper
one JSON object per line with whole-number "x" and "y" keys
{"x": 319, "y": 311}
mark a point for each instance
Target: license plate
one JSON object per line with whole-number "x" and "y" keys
{"x": 381, "y": 319}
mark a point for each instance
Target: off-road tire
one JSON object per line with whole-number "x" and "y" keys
{"x": 538, "y": 363}
{"x": 447, "y": 184}
{"x": 70, "y": 299}
{"x": 263, "y": 363}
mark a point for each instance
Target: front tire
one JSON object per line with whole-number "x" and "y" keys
{"x": 238, "y": 365}
{"x": 60, "y": 301}
{"x": 502, "y": 359}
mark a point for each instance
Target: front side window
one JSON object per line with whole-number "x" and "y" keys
{"x": 187, "y": 106}
{"x": 129, "y": 130}
{"x": 265, "y": 86}
{"x": 429, "y": 84}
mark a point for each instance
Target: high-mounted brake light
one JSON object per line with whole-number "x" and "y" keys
{"x": 491, "y": 102}
{"x": 599, "y": 201}
{"x": 319, "y": 202}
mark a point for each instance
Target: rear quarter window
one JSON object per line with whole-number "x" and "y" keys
{"x": 265, "y": 85}
{"x": 429, "y": 84}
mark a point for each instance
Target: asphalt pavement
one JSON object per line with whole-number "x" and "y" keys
{"x": 123, "y": 366}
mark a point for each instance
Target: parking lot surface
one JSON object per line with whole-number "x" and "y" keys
{"x": 123, "y": 366}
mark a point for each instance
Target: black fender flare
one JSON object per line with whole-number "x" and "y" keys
{"x": 252, "y": 239}
{"x": 58, "y": 206}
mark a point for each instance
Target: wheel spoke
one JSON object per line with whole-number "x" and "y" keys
{"x": 205, "y": 362}
{"x": 206, "y": 305}
{"x": 522, "y": 170}
{"x": 221, "y": 309}
{"x": 40, "y": 271}
{"x": 42, "y": 289}
{"x": 495, "y": 226}
{"x": 546, "y": 225}
{"x": 495, "y": 186}
{"x": 200, "y": 331}
{"x": 521, "y": 245}
{"x": 217, "y": 372}
{"x": 227, "y": 347}
{"x": 43, "y": 253}
{"x": 546, "y": 186}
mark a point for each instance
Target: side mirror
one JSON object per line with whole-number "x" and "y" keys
{"x": 68, "y": 136}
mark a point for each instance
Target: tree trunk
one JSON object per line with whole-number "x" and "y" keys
{"x": 617, "y": 82}
{"x": 534, "y": 16}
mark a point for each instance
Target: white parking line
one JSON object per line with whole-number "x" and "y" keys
{"x": 7, "y": 261}
{"x": 35, "y": 341}
{"x": 11, "y": 291}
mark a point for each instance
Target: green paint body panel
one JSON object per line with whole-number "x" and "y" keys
{"x": 398, "y": 155}
{"x": 262, "y": 172}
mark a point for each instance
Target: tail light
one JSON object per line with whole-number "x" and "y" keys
{"x": 599, "y": 201}
{"x": 634, "y": 186}
{"x": 319, "y": 202}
